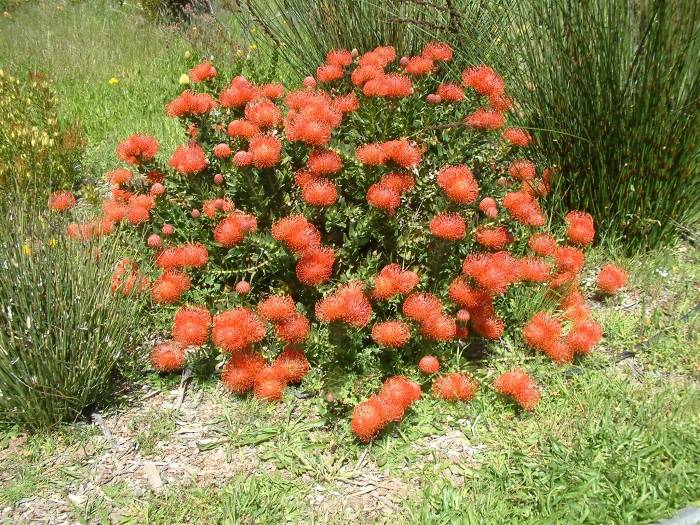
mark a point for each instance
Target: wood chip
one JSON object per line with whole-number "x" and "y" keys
{"x": 153, "y": 477}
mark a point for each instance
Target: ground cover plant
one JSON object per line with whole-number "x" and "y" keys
{"x": 394, "y": 209}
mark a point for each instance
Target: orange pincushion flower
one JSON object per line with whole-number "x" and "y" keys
{"x": 234, "y": 228}
{"x": 522, "y": 170}
{"x": 493, "y": 272}
{"x": 458, "y": 183}
{"x": 327, "y": 73}
{"x": 297, "y": 233}
{"x": 371, "y": 154}
{"x": 266, "y": 150}
{"x": 383, "y": 197}
{"x": 339, "y": 57}
{"x": 517, "y": 137}
{"x": 379, "y": 56}
{"x": 238, "y": 94}
{"x": 292, "y": 364}
{"x": 263, "y": 113}
{"x": 272, "y": 91}
{"x": 569, "y": 259}
{"x": 455, "y": 387}
{"x": 465, "y": 295}
{"x": 168, "y": 356}
{"x": 523, "y": 208}
{"x": 211, "y": 207}
{"x": 114, "y": 210}
{"x": 62, "y": 201}
{"x": 137, "y": 149}
{"x": 242, "y": 128}
{"x": 119, "y": 176}
{"x": 365, "y": 73}
{"x": 404, "y": 153}
{"x": 193, "y": 255}
{"x": 448, "y": 226}
{"x": 392, "y": 280}
{"x": 242, "y": 159}
{"x": 418, "y": 66}
{"x": 315, "y": 266}
{"x": 534, "y": 269}
{"x": 542, "y": 244}
{"x": 501, "y": 102}
{"x": 392, "y": 334}
{"x": 190, "y": 104}
{"x": 293, "y": 329}
{"x": 367, "y": 421}
{"x": 222, "y": 151}
{"x": 137, "y": 214}
{"x": 348, "y": 304}
{"x": 421, "y": 306}
{"x": 580, "y": 229}
{"x": 484, "y": 80}
{"x": 494, "y": 238}
{"x": 488, "y": 207}
{"x": 611, "y": 279}
{"x": 191, "y": 325}
{"x": 390, "y": 409}
{"x": 542, "y": 331}
{"x": 237, "y": 329}
{"x": 389, "y": 86}
{"x": 240, "y": 371}
{"x": 487, "y": 325}
{"x": 486, "y": 119}
{"x": 399, "y": 182}
{"x": 429, "y": 364}
{"x": 583, "y": 336}
{"x": 401, "y": 390}
{"x": 441, "y": 327}
{"x": 346, "y": 103}
{"x": 188, "y": 159}
{"x": 202, "y": 72}
{"x": 450, "y": 92}
{"x": 438, "y": 51}
{"x": 269, "y": 390}
{"x": 324, "y": 162}
{"x": 169, "y": 287}
{"x": 276, "y": 308}
{"x": 520, "y": 386}
{"x": 319, "y": 192}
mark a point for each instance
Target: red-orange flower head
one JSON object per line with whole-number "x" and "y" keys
{"x": 450, "y": 92}
{"x": 520, "y": 386}
{"x": 484, "y": 80}
{"x": 276, "y": 308}
{"x": 292, "y": 364}
{"x": 401, "y": 390}
{"x": 579, "y": 227}
{"x": 583, "y": 336}
{"x": 542, "y": 244}
{"x": 169, "y": 287}
{"x": 348, "y": 304}
{"x": 62, "y": 201}
{"x": 458, "y": 183}
{"x": 367, "y": 421}
{"x": 534, "y": 269}
{"x": 263, "y": 113}
{"x": 294, "y": 329}
{"x": 467, "y": 296}
{"x": 234, "y": 228}
{"x": 190, "y": 104}
{"x": 212, "y": 207}
{"x": 392, "y": 334}
{"x": 517, "y": 137}
{"x": 324, "y": 162}
{"x": 119, "y": 176}
{"x": 339, "y": 57}
{"x": 168, "y": 356}
{"x": 319, "y": 192}
{"x": 611, "y": 279}
{"x": 315, "y": 266}
{"x": 269, "y": 384}
{"x": 191, "y": 325}
{"x": 328, "y": 73}
{"x": 440, "y": 327}
{"x": 455, "y": 387}
{"x": 542, "y": 331}
{"x": 242, "y": 128}
{"x": 522, "y": 170}
{"x": 422, "y": 306}
{"x": 569, "y": 259}
{"x": 383, "y": 197}
{"x": 392, "y": 280}
{"x": 297, "y": 233}
{"x": 524, "y": 208}
{"x": 486, "y": 119}
{"x": 202, "y": 72}
{"x": 240, "y": 371}
{"x": 448, "y": 226}
{"x": 438, "y": 51}
{"x": 188, "y": 159}
{"x": 238, "y": 94}
{"x": 138, "y": 149}
{"x": 429, "y": 364}
{"x": 492, "y": 272}
{"x": 418, "y": 66}
{"x": 494, "y": 238}
{"x": 266, "y": 150}
{"x": 234, "y": 330}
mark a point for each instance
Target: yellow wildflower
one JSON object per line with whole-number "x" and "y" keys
{"x": 113, "y": 81}
{"x": 184, "y": 79}
{"x": 53, "y": 243}
{"x": 26, "y": 249}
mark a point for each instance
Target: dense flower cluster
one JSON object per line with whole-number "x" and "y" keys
{"x": 381, "y": 206}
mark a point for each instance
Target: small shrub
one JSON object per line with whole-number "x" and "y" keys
{"x": 386, "y": 216}
{"x": 36, "y": 150}
{"x": 61, "y": 330}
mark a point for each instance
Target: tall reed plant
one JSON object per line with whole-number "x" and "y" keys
{"x": 61, "y": 329}
{"x": 613, "y": 87}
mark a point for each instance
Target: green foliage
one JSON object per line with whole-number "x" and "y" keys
{"x": 304, "y": 30}
{"x": 614, "y": 88}
{"x": 61, "y": 329}
{"x": 36, "y": 150}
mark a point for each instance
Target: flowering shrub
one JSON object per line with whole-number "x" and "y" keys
{"x": 373, "y": 217}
